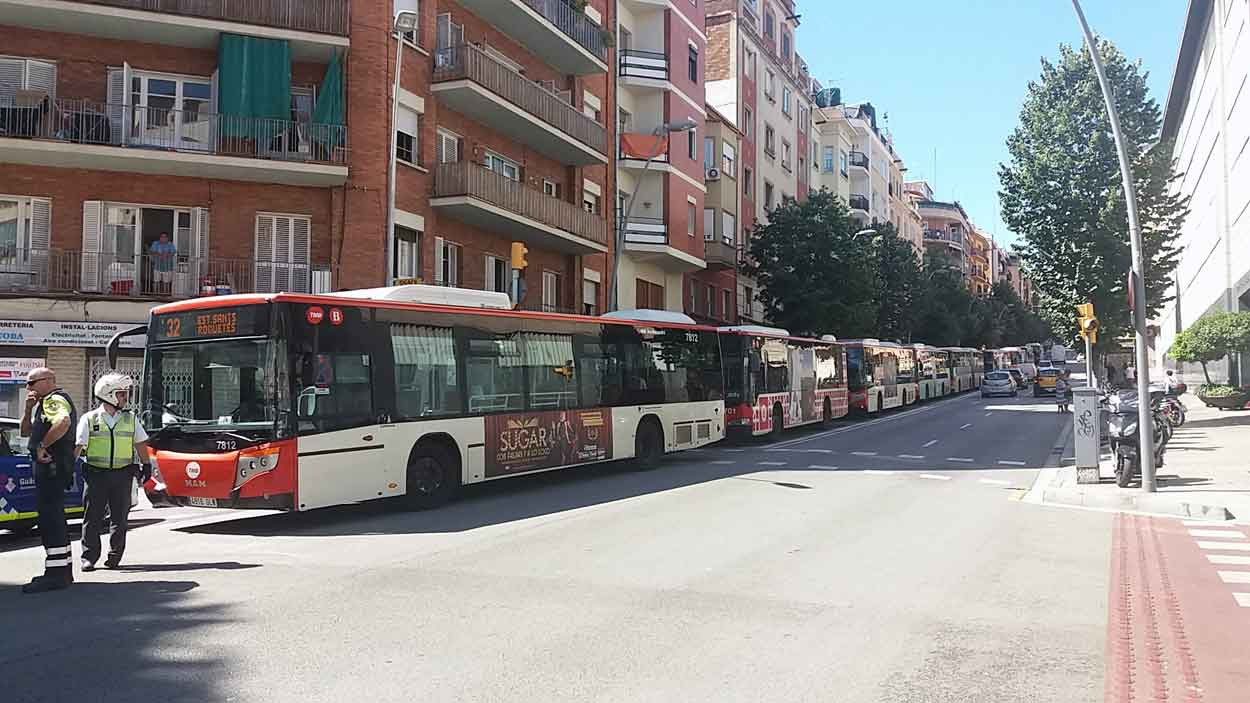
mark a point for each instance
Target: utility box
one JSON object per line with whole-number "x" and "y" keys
{"x": 1087, "y": 431}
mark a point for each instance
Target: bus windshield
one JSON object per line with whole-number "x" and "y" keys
{"x": 218, "y": 384}
{"x": 855, "y": 368}
{"x": 731, "y": 346}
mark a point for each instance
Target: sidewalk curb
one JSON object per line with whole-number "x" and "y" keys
{"x": 1149, "y": 503}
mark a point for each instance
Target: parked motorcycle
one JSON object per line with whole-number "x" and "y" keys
{"x": 1122, "y": 433}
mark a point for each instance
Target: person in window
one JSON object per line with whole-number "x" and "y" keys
{"x": 164, "y": 253}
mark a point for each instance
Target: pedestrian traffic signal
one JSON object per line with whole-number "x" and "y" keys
{"x": 1087, "y": 323}
{"x": 519, "y": 251}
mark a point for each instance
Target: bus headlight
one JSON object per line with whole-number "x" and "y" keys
{"x": 254, "y": 462}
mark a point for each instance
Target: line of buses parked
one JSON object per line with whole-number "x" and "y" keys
{"x": 302, "y": 401}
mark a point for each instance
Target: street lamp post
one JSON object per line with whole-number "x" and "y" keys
{"x": 1145, "y": 420}
{"x": 404, "y": 22}
{"x": 619, "y": 239}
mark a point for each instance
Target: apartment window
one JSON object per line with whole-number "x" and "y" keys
{"x": 25, "y": 74}
{"x": 626, "y": 41}
{"x": 746, "y": 181}
{"x": 726, "y": 304}
{"x": 591, "y": 202}
{"x": 748, "y": 119}
{"x": 785, "y": 100}
{"x": 748, "y": 295}
{"x": 770, "y": 24}
{"x": 749, "y": 61}
{"x": 407, "y": 261}
{"x": 842, "y": 159}
{"x": 785, "y": 46}
{"x": 785, "y": 154}
{"x": 448, "y": 147}
{"x": 709, "y": 300}
{"x": 694, "y": 294}
{"x": 446, "y": 263}
{"x": 690, "y": 215}
{"x": 709, "y": 224}
{"x": 551, "y": 291}
{"x": 283, "y": 247}
{"x": 624, "y": 120}
{"x": 590, "y": 297}
{"x": 551, "y": 188}
{"x": 770, "y": 140}
{"x": 709, "y": 153}
{"x": 503, "y": 166}
{"x": 498, "y": 274}
{"x": 407, "y": 131}
{"x": 25, "y": 227}
{"x": 770, "y": 88}
{"x": 450, "y": 35}
{"x": 692, "y": 65}
{"x": 768, "y": 196}
{"x": 728, "y": 228}
{"x": 729, "y": 160}
{"x": 828, "y": 165}
{"x": 648, "y": 295}
{"x": 690, "y": 137}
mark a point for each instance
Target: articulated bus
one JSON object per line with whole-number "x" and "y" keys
{"x": 880, "y": 375}
{"x": 774, "y": 381}
{"x": 297, "y": 402}
{"x": 932, "y": 370}
{"x": 965, "y": 368}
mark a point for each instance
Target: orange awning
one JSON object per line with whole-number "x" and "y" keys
{"x": 643, "y": 146}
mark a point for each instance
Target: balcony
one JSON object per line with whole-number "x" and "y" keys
{"x": 86, "y": 134}
{"x": 496, "y": 203}
{"x": 467, "y": 80}
{"x": 720, "y": 254}
{"x": 646, "y": 65}
{"x": 554, "y": 31}
{"x": 57, "y": 271}
{"x": 859, "y": 160}
{"x": 859, "y": 203}
{"x": 646, "y": 239}
{"x": 315, "y": 28}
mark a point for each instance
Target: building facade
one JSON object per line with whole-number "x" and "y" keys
{"x": 978, "y": 252}
{"x": 947, "y": 229}
{"x": 1209, "y": 125}
{"x": 714, "y": 296}
{"x": 258, "y": 144}
{"x": 662, "y": 52}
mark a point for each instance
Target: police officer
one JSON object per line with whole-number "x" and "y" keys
{"x": 48, "y": 421}
{"x": 109, "y": 437}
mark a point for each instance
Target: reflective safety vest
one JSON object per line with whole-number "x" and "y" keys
{"x": 111, "y": 447}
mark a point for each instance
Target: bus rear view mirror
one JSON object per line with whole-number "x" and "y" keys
{"x": 307, "y": 405}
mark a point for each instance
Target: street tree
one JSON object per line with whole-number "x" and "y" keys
{"x": 814, "y": 275}
{"x": 898, "y": 284}
{"x": 944, "y": 306}
{"x": 1062, "y": 190}
{"x": 1211, "y": 338}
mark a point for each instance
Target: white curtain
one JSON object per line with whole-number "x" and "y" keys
{"x": 547, "y": 349}
{"x": 416, "y": 345}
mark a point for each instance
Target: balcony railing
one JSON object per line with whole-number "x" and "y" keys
{"x": 470, "y": 179}
{"x": 469, "y": 62}
{"x": 859, "y": 202}
{"x": 860, "y": 159}
{"x": 644, "y": 64}
{"x": 149, "y": 276}
{"x": 321, "y": 16}
{"x": 108, "y": 124}
{"x": 720, "y": 253}
{"x": 573, "y": 23}
{"x": 646, "y": 230}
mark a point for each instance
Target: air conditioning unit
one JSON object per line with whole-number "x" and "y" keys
{"x": 713, "y": 174}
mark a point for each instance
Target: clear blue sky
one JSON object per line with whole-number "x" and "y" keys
{"x": 951, "y": 74}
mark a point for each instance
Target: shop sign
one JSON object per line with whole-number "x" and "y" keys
{"x": 14, "y": 370}
{"x": 47, "y": 333}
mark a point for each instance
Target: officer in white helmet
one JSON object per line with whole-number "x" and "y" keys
{"x": 109, "y": 437}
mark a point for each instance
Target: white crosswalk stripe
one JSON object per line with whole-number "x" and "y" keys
{"x": 936, "y": 477}
{"x": 1229, "y": 559}
{"x": 1234, "y": 576}
{"x": 1224, "y": 534}
{"x": 1225, "y": 546}
{"x": 1243, "y": 599}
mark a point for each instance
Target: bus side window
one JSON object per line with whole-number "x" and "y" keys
{"x": 599, "y": 372}
{"x": 495, "y": 377}
{"x": 644, "y": 382}
{"x": 551, "y": 371}
{"x": 426, "y": 383}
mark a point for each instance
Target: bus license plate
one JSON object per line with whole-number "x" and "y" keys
{"x": 202, "y": 502}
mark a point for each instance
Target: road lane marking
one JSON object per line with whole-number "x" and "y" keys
{"x": 1243, "y": 599}
{"x": 723, "y": 462}
{"x": 1225, "y": 546}
{"x": 966, "y": 426}
{"x": 936, "y": 477}
{"x": 911, "y": 456}
{"x": 1012, "y": 463}
{"x": 1230, "y": 559}
{"x": 733, "y": 450}
{"x": 876, "y": 472}
{"x": 864, "y": 453}
{"x": 960, "y": 459}
{"x": 1226, "y": 534}
{"x": 1234, "y": 576}
{"x": 995, "y": 482}
{"x": 817, "y": 451}
{"x": 772, "y": 463}
{"x": 1199, "y": 523}
{"x": 822, "y": 468}
{"x": 930, "y": 443}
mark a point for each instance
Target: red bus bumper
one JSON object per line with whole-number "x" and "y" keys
{"x": 263, "y": 476}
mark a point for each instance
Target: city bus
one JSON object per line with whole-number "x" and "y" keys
{"x": 298, "y": 402}
{"x": 879, "y": 375}
{"x": 932, "y": 371}
{"x": 965, "y": 367}
{"x": 774, "y": 381}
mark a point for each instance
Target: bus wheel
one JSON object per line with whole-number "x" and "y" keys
{"x": 648, "y": 445}
{"x": 433, "y": 477}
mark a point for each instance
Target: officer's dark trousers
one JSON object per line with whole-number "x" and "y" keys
{"x": 50, "y": 501}
{"x": 107, "y": 491}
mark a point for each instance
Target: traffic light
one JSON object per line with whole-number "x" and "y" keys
{"x": 1087, "y": 322}
{"x": 519, "y": 251}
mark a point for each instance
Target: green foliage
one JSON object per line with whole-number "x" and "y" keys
{"x": 1211, "y": 338}
{"x": 1063, "y": 193}
{"x": 899, "y": 282}
{"x": 1216, "y": 390}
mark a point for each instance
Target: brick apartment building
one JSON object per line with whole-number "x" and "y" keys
{"x": 258, "y": 139}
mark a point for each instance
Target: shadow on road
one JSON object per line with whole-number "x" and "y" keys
{"x": 10, "y": 541}
{"x": 110, "y": 641}
{"x": 192, "y": 566}
{"x": 1228, "y": 419}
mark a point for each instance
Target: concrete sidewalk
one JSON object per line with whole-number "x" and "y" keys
{"x": 1205, "y": 473}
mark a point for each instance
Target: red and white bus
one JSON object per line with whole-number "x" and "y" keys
{"x": 774, "y": 381}
{"x": 303, "y": 401}
{"x": 932, "y": 371}
{"x": 880, "y": 375}
{"x": 965, "y": 367}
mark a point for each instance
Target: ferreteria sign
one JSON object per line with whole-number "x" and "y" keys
{"x": 50, "y": 333}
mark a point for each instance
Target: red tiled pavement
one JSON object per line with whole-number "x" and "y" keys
{"x": 1174, "y": 630}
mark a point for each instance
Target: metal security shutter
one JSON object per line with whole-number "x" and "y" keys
{"x": 92, "y": 233}
{"x": 301, "y": 244}
{"x": 438, "y": 261}
{"x": 264, "y": 254}
{"x": 12, "y": 79}
{"x": 41, "y": 75}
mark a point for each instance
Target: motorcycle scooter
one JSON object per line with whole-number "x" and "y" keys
{"x": 1122, "y": 434}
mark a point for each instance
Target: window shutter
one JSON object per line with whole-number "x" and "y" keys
{"x": 118, "y": 100}
{"x": 264, "y": 254}
{"x": 41, "y": 75}
{"x": 12, "y": 77}
{"x": 490, "y": 273}
{"x": 438, "y": 261}
{"x": 92, "y": 226}
{"x": 301, "y": 245}
{"x": 199, "y": 245}
{"x": 40, "y": 220}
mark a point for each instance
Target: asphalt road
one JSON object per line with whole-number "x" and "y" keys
{"x": 882, "y": 560}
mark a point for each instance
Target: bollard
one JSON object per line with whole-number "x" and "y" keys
{"x": 1087, "y": 430}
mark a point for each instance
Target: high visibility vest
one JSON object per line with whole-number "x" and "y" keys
{"x": 111, "y": 447}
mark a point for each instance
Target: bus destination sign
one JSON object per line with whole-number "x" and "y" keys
{"x": 199, "y": 324}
